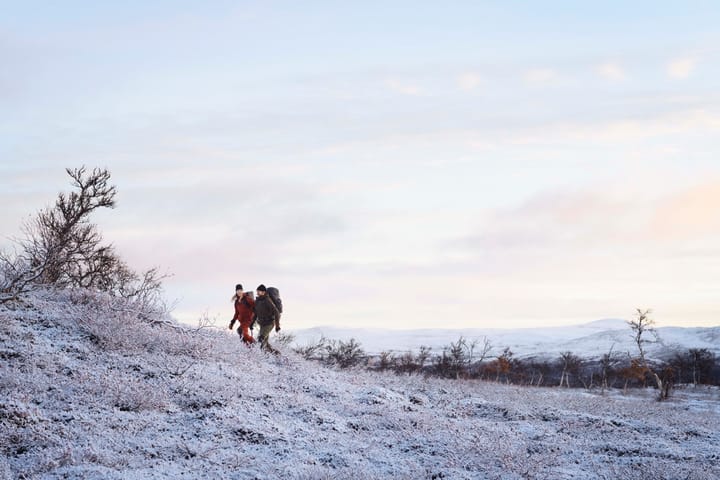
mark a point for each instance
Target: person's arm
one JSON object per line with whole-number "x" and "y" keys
{"x": 251, "y": 304}
{"x": 235, "y": 317}
{"x": 277, "y": 315}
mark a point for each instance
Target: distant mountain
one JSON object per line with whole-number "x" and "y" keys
{"x": 590, "y": 340}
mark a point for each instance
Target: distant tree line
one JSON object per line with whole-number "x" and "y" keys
{"x": 465, "y": 359}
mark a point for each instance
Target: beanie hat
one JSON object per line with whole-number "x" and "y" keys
{"x": 261, "y": 288}
{"x": 238, "y": 287}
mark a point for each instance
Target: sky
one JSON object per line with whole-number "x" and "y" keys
{"x": 384, "y": 164}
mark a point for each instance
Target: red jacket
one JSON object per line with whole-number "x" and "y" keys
{"x": 244, "y": 307}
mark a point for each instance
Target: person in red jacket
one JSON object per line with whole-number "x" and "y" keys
{"x": 244, "y": 310}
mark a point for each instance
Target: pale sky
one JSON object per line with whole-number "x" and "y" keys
{"x": 401, "y": 164}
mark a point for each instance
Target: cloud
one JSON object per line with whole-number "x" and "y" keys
{"x": 541, "y": 76}
{"x": 614, "y": 132}
{"x": 689, "y": 213}
{"x": 621, "y": 130}
{"x": 681, "y": 68}
{"x": 403, "y": 87}
{"x": 618, "y": 219}
{"x": 469, "y": 81}
{"x": 551, "y": 220}
{"x": 611, "y": 71}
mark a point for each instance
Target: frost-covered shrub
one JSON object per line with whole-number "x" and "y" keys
{"x": 285, "y": 339}
{"x": 312, "y": 351}
{"x": 113, "y": 324}
{"x": 132, "y": 395}
{"x": 344, "y": 354}
{"x": 178, "y": 342}
{"x": 114, "y": 332}
{"x": 20, "y": 427}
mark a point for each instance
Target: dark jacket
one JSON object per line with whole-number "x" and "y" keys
{"x": 265, "y": 310}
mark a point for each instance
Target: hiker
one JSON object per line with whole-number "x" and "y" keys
{"x": 244, "y": 308}
{"x": 267, "y": 316}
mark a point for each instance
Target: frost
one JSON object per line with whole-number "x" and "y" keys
{"x": 88, "y": 391}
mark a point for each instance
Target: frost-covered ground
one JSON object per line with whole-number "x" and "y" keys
{"x": 90, "y": 391}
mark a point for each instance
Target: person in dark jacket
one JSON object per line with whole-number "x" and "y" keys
{"x": 267, "y": 316}
{"x": 244, "y": 309}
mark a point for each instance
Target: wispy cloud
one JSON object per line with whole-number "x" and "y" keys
{"x": 469, "y": 81}
{"x": 680, "y": 68}
{"x": 611, "y": 71}
{"x": 403, "y": 88}
{"x": 540, "y": 76}
{"x": 562, "y": 222}
{"x": 621, "y": 130}
{"x": 689, "y": 213}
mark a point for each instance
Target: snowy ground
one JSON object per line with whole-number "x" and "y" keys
{"x": 89, "y": 392}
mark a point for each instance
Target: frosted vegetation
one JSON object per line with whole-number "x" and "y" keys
{"x": 97, "y": 381}
{"x": 629, "y": 367}
{"x": 91, "y": 388}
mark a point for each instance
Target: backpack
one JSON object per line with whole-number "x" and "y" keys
{"x": 274, "y": 295}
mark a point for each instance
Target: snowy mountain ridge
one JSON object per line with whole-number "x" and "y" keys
{"x": 588, "y": 340}
{"x": 92, "y": 389}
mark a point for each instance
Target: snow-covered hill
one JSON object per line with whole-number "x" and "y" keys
{"x": 89, "y": 390}
{"x": 589, "y": 340}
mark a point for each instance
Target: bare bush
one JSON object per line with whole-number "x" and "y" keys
{"x": 386, "y": 360}
{"x": 344, "y": 354}
{"x": 62, "y": 248}
{"x": 113, "y": 332}
{"x": 285, "y": 339}
{"x": 313, "y": 351}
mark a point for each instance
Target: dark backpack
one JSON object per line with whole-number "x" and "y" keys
{"x": 274, "y": 294}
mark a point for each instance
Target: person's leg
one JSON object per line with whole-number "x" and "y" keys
{"x": 264, "y": 337}
{"x": 245, "y": 333}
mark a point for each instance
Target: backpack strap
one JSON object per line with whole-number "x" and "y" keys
{"x": 277, "y": 311}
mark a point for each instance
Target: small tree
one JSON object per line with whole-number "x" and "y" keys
{"x": 63, "y": 243}
{"x": 62, "y": 248}
{"x": 386, "y": 360}
{"x": 607, "y": 364}
{"x": 407, "y": 363}
{"x": 570, "y": 364}
{"x": 423, "y": 356}
{"x": 694, "y": 366}
{"x": 701, "y": 361}
{"x": 641, "y": 327}
{"x": 538, "y": 371}
{"x": 635, "y": 371}
{"x": 504, "y": 364}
